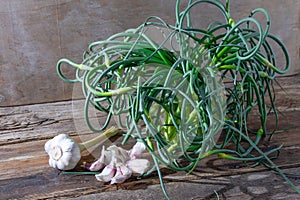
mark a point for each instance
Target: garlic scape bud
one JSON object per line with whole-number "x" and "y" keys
{"x": 64, "y": 153}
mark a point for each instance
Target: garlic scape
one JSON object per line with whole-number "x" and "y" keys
{"x": 64, "y": 153}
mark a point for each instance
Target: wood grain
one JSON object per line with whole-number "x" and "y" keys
{"x": 25, "y": 173}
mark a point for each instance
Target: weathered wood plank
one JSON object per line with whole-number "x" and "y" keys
{"x": 288, "y": 97}
{"x": 30, "y": 122}
{"x": 24, "y": 169}
{"x": 34, "y": 122}
{"x": 24, "y": 164}
{"x": 30, "y": 155}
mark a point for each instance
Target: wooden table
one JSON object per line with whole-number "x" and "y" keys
{"x": 25, "y": 173}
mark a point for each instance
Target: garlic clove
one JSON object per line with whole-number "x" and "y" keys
{"x": 107, "y": 173}
{"x": 139, "y": 166}
{"x": 137, "y": 150}
{"x": 123, "y": 173}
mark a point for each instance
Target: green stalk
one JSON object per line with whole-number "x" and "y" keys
{"x": 112, "y": 131}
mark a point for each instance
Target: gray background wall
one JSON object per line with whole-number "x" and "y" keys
{"x": 34, "y": 34}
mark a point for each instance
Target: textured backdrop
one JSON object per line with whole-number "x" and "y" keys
{"x": 34, "y": 34}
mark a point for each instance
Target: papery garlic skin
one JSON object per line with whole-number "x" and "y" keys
{"x": 64, "y": 152}
{"x": 122, "y": 174}
{"x": 107, "y": 173}
{"x": 105, "y": 159}
{"x": 122, "y": 163}
{"x": 95, "y": 166}
{"x": 139, "y": 166}
{"x": 137, "y": 150}
{"x": 119, "y": 155}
